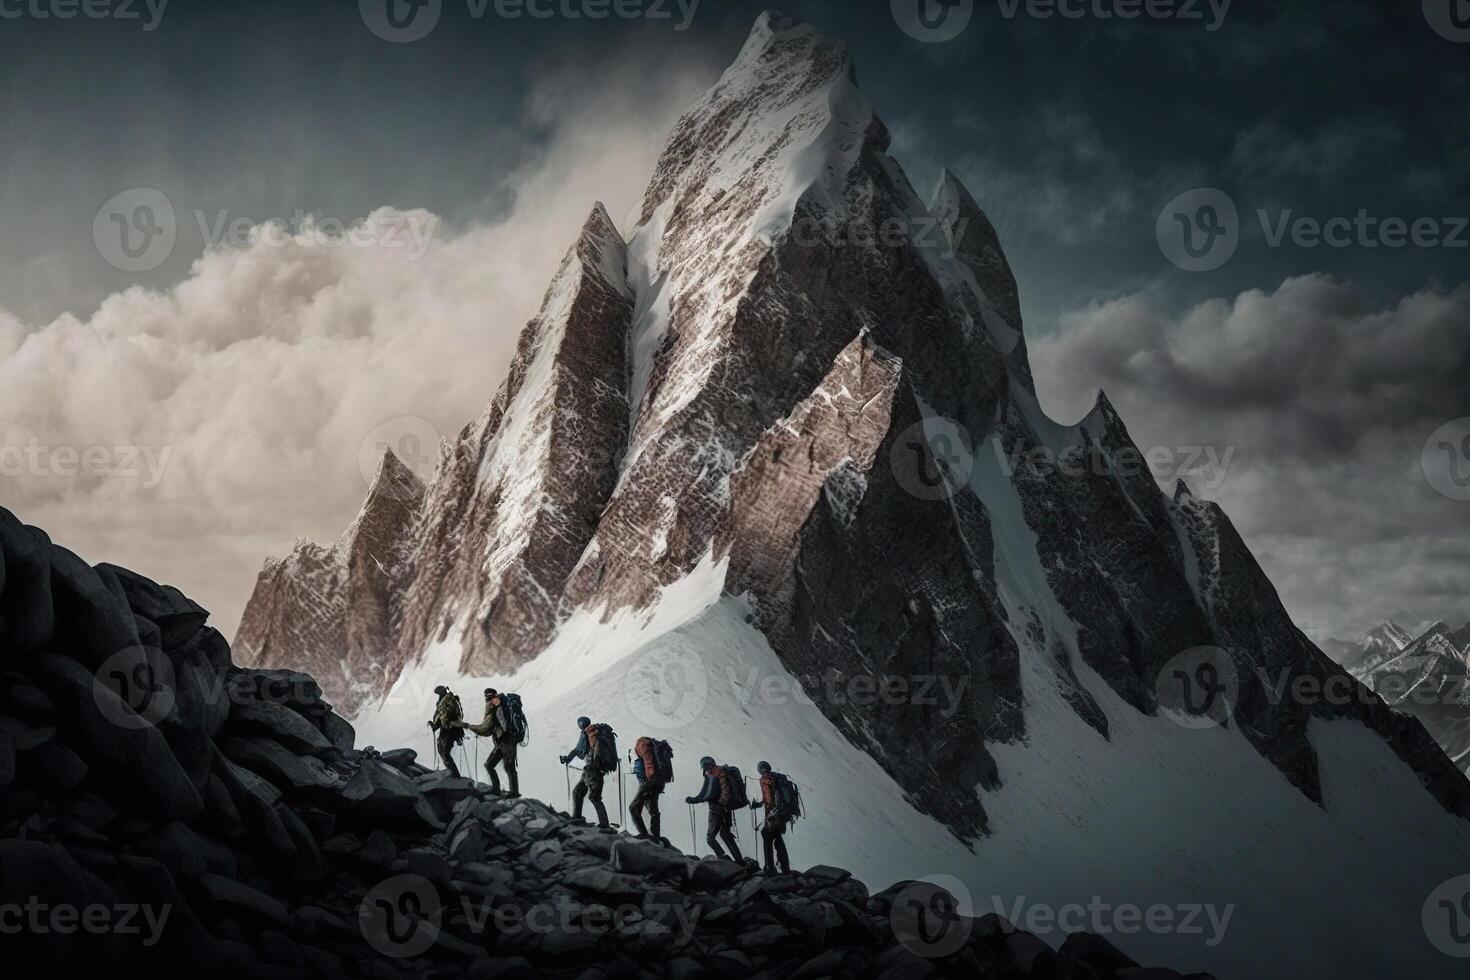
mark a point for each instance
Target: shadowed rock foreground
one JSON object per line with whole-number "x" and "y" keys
{"x": 164, "y": 812}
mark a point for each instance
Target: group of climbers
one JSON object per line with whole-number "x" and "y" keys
{"x": 724, "y": 787}
{"x": 504, "y": 724}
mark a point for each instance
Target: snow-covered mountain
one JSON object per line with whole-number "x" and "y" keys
{"x": 1359, "y": 655}
{"x": 769, "y": 478}
{"x": 1426, "y": 677}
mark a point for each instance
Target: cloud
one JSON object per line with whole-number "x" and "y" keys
{"x": 190, "y": 432}
{"x": 1326, "y": 403}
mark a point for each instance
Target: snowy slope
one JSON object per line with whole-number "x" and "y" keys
{"x": 1159, "y": 814}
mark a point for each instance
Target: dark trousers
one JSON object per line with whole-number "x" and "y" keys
{"x": 446, "y": 742}
{"x": 647, "y": 796}
{"x": 505, "y": 752}
{"x": 589, "y": 788}
{"x": 722, "y": 828}
{"x": 773, "y": 836}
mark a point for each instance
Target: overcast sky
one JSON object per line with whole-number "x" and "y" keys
{"x": 229, "y": 391}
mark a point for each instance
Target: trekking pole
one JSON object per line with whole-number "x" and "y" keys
{"x": 568, "y": 767}
{"x": 622, "y": 809}
{"x": 693, "y": 848}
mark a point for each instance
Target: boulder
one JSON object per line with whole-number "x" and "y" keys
{"x": 279, "y": 723}
{"x": 93, "y": 620}
{"x": 338, "y": 730}
{"x": 276, "y": 763}
{"x": 233, "y": 896}
{"x": 605, "y": 882}
{"x": 133, "y": 753}
{"x": 645, "y": 858}
{"x": 712, "y": 874}
{"x": 381, "y": 792}
{"x": 201, "y": 695}
{"x": 55, "y": 766}
{"x": 177, "y": 616}
{"x": 27, "y": 610}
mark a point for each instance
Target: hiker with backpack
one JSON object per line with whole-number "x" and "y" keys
{"x": 598, "y": 748}
{"x": 448, "y": 727}
{"x": 782, "y": 802}
{"x": 653, "y": 767}
{"x": 505, "y": 724}
{"x": 724, "y": 791}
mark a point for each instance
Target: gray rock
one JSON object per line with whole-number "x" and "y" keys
{"x": 92, "y": 614}
{"x": 644, "y": 858}
{"x": 382, "y": 792}
{"x": 220, "y": 891}
{"x": 544, "y": 855}
{"x": 26, "y": 603}
{"x": 280, "y": 723}
{"x": 429, "y": 864}
{"x": 286, "y": 770}
{"x": 178, "y": 617}
{"x": 202, "y": 697}
{"x": 605, "y": 882}
{"x": 338, "y": 730}
{"x": 140, "y": 755}
{"x": 400, "y": 759}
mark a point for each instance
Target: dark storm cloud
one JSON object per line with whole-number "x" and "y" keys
{"x": 1073, "y": 134}
{"x": 1324, "y": 403}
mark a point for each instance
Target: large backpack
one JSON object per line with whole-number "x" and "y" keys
{"x": 602, "y": 742}
{"x": 736, "y": 785}
{"x": 663, "y": 761}
{"x": 787, "y": 795}
{"x": 515, "y": 718}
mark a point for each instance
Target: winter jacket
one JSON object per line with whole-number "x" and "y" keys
{"x": 582, "y": 749}
{"x": 447, "y": 713}
{"x": 496, "y": 724}
{"x": 716, "y": 791}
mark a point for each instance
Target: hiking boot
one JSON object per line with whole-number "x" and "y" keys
{"x": 578, "y": 821}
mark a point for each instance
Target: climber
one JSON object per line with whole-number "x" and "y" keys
{"x": 653, "y": 767}
{"x": 723, "y": 796}
{"x": 594, "y": 767}
{"x": 505, "y": 724}
{"x": 448, "y": 726}
{"x": 782, "y": 802}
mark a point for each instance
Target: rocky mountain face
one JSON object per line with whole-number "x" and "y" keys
{"x": 338, "y": 610}
{"x": 228, "y": 815}
{"x": 1426, "y": 677}
{"x": 797, "y": 367}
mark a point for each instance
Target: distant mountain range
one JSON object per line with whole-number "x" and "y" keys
{"x": 1424, "y": 676}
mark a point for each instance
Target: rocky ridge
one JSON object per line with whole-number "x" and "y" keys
{"x": 140, "y": 768}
